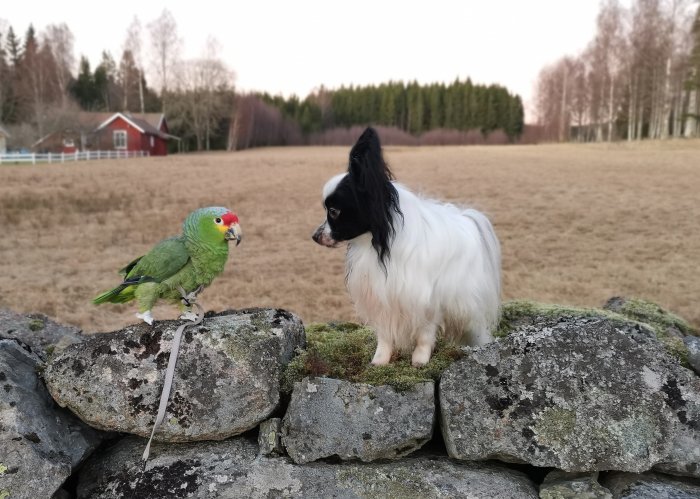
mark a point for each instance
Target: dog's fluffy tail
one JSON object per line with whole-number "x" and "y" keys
{"x": 492, "y": 257}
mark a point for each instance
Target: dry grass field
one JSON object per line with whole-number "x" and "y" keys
{"x": 577, "y": 223}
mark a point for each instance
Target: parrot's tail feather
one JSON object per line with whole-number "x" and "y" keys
{"x": 121, "y": 294}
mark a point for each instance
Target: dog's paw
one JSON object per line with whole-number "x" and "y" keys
{"x": 380, "y": 362}
{"x": 421, "y": 356}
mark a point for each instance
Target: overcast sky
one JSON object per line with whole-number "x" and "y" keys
{"x": 294, "y": 46}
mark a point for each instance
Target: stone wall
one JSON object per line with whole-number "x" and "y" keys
{"x": 566, "y": 403}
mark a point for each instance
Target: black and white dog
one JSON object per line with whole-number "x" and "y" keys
{"x": 414, "y": 266}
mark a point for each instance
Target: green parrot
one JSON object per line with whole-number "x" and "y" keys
{"x": 188, "y": 262}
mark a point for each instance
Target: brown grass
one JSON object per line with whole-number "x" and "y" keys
{"x": 578, "y": 224}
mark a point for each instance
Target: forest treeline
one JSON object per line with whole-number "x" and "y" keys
{"x": 638, "y": 78}
{"x": 456, "y": 113}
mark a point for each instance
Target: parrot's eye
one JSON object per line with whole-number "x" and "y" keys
{"x": 333, "y": 213}
{"x": 218, "y": 221}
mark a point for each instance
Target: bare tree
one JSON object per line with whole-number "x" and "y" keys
{"x": 257, "y": 123}
{"x": 128, "y": 81}
{"x": 5, "y": 75}
{"x": 580, "y": 98}
{"x": 165, "y": 49}
{"x": 133, "y": 44}
{"x": 554, "y": 99}
{"x": 205, "y": 94}
{"x": 608, "y": 51}
{"x": 33, "y": 75}
{"x": 59, "y": 41}
{"x": 692, "y": 83}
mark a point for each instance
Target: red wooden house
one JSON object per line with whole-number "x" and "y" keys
{"x": 146, "y": 132}
{"x": 127, "y": 132}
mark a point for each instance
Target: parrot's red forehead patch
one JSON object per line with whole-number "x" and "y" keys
{"x": 229, "y": 218}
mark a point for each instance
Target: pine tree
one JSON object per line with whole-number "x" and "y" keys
{"x": 14, "y": 52}
{"x": 4, "y": 81}
{"x": 84, "y": 89}
{"x": 105, "y": 81}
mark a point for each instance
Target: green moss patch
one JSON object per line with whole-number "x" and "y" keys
{"x": 36, "y": 325}
{"x": 344, "y": 351}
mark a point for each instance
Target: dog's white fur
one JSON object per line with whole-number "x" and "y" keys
{"x": 443, "y": 273}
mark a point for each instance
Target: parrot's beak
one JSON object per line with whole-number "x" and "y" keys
{"x": 234, "y": 232}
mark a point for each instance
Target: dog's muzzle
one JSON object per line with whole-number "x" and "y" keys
{"x": 323, "y": 236}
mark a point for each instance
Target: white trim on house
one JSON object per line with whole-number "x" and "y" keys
{"x": 125, "y": 118}
{"x": 117, "y": 142}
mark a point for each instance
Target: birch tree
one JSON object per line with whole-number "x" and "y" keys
{"x": 59, "y": 40}
{"x": 692, "y": 83}
{"x": 133, "y": 43}
{"x": 204, "y": 95}
{"x": 165, "y": 50}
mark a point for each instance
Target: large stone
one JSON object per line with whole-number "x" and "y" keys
{"x": 579, "y": 391}
{"x": 650, "y": 486}
{"x": 226, "y": 380}
{"x": 40, "y": 443}
{"x": 562, "y": 485}
{"x": 233, "y": 469}
{"x": 330, "y": 417}
{"x": 40, "y": 333}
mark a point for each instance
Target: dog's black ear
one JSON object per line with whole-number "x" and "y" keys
{"x": 366, "y": 159}
{"x": 372, "y": 179}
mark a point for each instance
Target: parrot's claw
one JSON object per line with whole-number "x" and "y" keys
{"x": 189, "y": 316}
{"x": 189, "y": 298}
{"x": 146, "y": 317}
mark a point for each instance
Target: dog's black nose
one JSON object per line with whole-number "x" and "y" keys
{"x": 316, "y": 236}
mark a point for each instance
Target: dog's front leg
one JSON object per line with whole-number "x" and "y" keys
{"x": 382, "y": 356}
{"x": 424, "y": 347}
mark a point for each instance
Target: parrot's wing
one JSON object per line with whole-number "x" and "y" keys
{"x": 162, "y": 262}
{"x": 125, "y": 271}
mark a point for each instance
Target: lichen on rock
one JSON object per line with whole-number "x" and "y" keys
{"x": 668, "y": 328}
{"x": 576, "y": 390}
{"x": 226, "y": 381}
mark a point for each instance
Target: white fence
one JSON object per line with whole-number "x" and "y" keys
{"x": 61, "y": 157}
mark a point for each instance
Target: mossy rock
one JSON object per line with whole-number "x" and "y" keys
{"x": 664, "y": 322}
{"x": 343, "y": 350}
{"x": 520, "y": 312}
{"x": 668, "y": 327}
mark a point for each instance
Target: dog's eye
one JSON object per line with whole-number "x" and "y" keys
{"x": 333, "y": 213}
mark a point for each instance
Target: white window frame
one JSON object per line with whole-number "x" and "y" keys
{"x": 119, "y": 139}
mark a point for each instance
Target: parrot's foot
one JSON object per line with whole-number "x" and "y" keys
{"x": 146, "y": 317}
{"x": 189, "y": 298}
{"x": 188, "y": 315}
